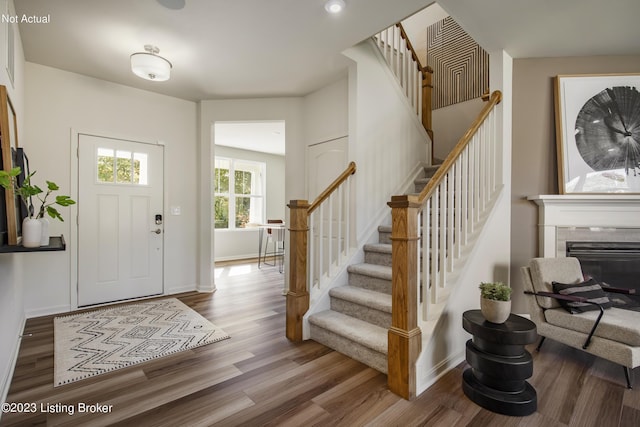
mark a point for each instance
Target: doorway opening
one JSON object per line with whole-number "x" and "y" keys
{"x": 248, "y": 169}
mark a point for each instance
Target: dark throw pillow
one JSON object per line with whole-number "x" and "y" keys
{"x": 589, "y": 289}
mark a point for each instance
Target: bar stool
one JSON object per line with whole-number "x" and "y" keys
{"x": 275, "y": 237}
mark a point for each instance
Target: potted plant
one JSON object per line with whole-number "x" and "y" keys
{"x": 495, "y": 301}
{"x": 35, "y": 227}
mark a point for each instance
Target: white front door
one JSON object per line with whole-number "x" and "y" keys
{"x": 120, "y": 219}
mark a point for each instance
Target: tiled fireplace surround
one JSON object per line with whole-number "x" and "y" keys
{"x": 563, "y": 218}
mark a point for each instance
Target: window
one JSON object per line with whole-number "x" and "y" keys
{"x": 238, "y": 187}
{"x": 121, "y": 167}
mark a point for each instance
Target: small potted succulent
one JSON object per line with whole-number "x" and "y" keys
{"x": 495, "y": 301}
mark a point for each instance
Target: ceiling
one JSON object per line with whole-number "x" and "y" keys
{"x": 551, "y": 28}
{"x": 223, "y": 49}
{"x": 257, "y": 48}
{"x": 264, "y": 136}
{"x": 219, "y": 48}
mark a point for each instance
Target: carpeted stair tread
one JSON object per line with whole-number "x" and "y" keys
{"x": 431, "y": 170}
{"x": 383, "y": 248}
{"x": 422, "y": 180}
{"x": 363, "y": 333}
{"x": 385, "y": 228}
{"x": 364, "y": 297}
{"x": 373, "y": 270}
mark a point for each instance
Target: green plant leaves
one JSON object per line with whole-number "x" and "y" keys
{"x": 53, "y": 213}
{"x": 495, "y": 290}
{"x": 27, "y": 190}
{"x": 64, "y": 201}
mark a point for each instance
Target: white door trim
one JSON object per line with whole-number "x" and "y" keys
{"x": 73, "y": 238}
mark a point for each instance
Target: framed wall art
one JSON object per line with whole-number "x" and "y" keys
{"x": 8, "y": 149}
{"x": 598, "y": 133}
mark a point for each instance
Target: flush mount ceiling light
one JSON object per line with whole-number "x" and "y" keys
{"x": 334, "y": 6}
{"x": 150, "y": 66}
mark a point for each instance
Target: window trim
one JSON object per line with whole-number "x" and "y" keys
{"x": 232, "y": 195}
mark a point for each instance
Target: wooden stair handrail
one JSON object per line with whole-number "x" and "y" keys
{"x": 414, "y": 55}
{"x": 350, "y": 170}
{"x": 437, "y": 178}
{"x": 298, "y": 295}
{"x": 425, "y": 74}
{"x": 427, "y": 85}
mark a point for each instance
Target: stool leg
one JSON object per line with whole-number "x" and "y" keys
{"x": 540, "y": 343}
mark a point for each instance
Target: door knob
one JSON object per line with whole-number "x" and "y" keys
{"x": 157, "y": 231}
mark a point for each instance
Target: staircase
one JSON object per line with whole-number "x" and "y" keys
{"x": 391, "y": 309}
{"x": 358, "y": 322}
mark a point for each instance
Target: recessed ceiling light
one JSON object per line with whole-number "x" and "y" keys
{"x": 334, "y": 6}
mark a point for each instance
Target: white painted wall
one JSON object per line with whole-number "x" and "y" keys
{"x": 238, "y": 244}
{"x": 12, "y": 315}
{"x": 385, "y": 141}
{"x": 58, "y": 102}
{"x": 491, "y": 256}
{"x": 326, "y": 126}
{"x": 416, "y": 28}
{"x": 450, "y": 123}
{"x": 326, "y": 113}
{"x": 287, "y": 109}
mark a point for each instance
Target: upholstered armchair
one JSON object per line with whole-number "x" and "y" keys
{"x": 587, "y": 321}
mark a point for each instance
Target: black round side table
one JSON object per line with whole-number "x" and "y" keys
{"x": 500, "y": 364}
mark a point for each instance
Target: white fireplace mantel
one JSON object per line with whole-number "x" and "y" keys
{"x": 603, "y": 210}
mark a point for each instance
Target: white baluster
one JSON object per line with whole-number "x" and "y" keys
{"x": 458, "y": 208}
{"x": 435, "y": 252}
{"x": 450, "y": 215}
{"x": 340, "y": 223}
{"x": 321, "y": 243}
{"x": 419, "y": 90}
{"x": 464, "y": 193}
{"x": 330, "y": 242}
{"x": 311, "y": 249}
{"x": 426, "y": 257}
{"x": 398, "y": 59}
{"x": 442, "y": 250}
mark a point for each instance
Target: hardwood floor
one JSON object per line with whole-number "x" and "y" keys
{"x": 260, "y": 378}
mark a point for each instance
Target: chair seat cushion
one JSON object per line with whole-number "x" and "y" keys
{"x": 616, "y": 324}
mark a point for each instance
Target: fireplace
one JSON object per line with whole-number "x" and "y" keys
{"x": 602, "y": 231}
{"x": 614, "y": 264}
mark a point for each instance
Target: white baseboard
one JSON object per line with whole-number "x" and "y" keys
{"x": 434, "y": 374}
{"x": 235, "y": 257}
{"x": 6, "y": 380}
{"x": 181, "y": 289}
{"x": 46, "y": 311}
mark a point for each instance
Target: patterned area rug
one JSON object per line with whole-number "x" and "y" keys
{"x": 95, "y": 342}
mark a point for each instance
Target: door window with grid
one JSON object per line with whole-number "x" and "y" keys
{"x": 239, "y": 187}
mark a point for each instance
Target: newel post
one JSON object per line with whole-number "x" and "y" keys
{"x": 298, "y": 295}
{"x": 405, "y": 337}
{"x": 427, "y": 89}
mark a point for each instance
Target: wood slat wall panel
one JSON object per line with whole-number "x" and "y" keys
{"x": 460, "y": 65}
